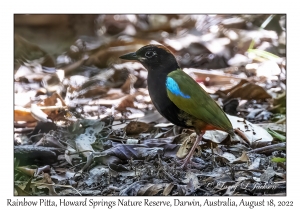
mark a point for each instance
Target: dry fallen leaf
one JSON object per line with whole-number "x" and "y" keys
{"x": 186, "y": 145}
{"x": 191, "y": 177}
{"x": 46, "y": 182}
{"x": 41, "y": 113}
{"x": 108, "y": 53}
{"x": 267, "y": 175}
{"x": 95, "y": 91}
{"x": 38, "y": 114}
{"x": 84, "y": 141}
{"x": 151, "y": 189}
{"x": 168, "y": 189}
{"x": 20, "y": 192}
{"x": 256, "y": 135}
{"x": 128, "y": 85}
{"x": 125, "y": 103}
{"x": 27, "y": 171}
{"x": 134, "y": 128}
{"x": 243, "y": 159}
{"x": 216, "y": 77}
{"x": 132, "y": 189}
{"x": 23, "y": 114}
{"x": 249, "y": 91}
{"x": 54, "y": 100}
{"x": 25, "y": 51}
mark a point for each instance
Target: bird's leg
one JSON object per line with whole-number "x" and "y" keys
{"x": 188, "y": 157}
{"x": 213, "y": 156}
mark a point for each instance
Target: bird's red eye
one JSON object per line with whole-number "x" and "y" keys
{"x": 149, "y": 54}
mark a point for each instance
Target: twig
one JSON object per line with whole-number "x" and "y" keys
{"x": 23, "y": 130}
{"x": 269, "y": 149}
{"x": 39, "y": 134}
{"x": 79, "y": 152}
{"x": 241, "y": 134}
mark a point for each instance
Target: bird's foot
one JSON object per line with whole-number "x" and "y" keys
{"x": 185, "y": 162}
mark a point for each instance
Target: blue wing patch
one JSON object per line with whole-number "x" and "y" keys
{"x": 173, "y": 87}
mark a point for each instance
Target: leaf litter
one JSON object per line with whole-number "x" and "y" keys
{"x": 85, "y": 124}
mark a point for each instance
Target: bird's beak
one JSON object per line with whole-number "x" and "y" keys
{"x": 130, "y": 56}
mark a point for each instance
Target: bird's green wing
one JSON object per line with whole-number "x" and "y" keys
{"x": 190, "y": 97}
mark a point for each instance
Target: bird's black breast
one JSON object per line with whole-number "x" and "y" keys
{"x": 158, "y": 93}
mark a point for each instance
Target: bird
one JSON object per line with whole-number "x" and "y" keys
{"x": 177, "y": 96}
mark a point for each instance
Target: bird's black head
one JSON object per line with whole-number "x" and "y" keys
{"x": 154, "y": 58}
